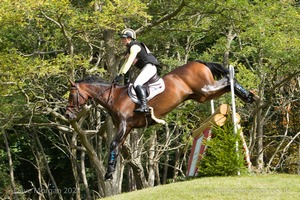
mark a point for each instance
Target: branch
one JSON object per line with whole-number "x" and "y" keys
{"x": 286, "y": 148}
{"x": 163, "y": 19}
{"x": 136, "y": 166}
{"x": 51, "y": 19}
{"x": 63, "y": 30}
{"x": 273, "y": 89}
{"x": 51, "y": 124}
{"x": 44, "y": 53}
{"x": 288, "y": 78}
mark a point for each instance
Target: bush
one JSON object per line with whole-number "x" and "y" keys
{"x": 221, "y": 157}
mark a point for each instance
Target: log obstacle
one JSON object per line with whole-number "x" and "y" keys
{"x": 217, "y": 118}
{"x": 204, "y": 133}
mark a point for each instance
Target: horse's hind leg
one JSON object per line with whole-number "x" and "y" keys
{"x": 243, "y": 94}
{"x": 219, "y": 88}
{"x": 218, "y": 93}
{"x": 216, "y": 87}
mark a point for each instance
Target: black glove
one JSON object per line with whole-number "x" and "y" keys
{"x": 117, "y": 79}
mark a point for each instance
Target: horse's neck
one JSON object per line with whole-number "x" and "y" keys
{"x": 97, "y": 91}
{"x": 104, "y": 94}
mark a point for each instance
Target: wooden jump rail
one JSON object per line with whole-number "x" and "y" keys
{"x": 217, "y": 118}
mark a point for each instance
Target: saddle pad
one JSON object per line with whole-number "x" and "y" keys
{"x": 153, "y": 88}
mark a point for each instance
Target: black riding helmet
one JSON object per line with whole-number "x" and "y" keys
{"x": 128, "y": 33}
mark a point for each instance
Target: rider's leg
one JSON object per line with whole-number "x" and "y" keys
{"x": 147, "y": 72}
{"x": 141, "y": 94}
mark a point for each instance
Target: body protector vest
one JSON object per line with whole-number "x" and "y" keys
{"x": 144, "y": 56}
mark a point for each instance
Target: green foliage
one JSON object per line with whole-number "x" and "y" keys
{"x": 269, "y": 35}
{"x": 246, "y": 77}
{"x": 221, "y": 157}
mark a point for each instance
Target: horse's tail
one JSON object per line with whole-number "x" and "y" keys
{"x": 216, "y": 69}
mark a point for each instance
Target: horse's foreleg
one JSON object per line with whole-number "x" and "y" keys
{"x": 114, "y": 150}
{"x": 112, "y": 159}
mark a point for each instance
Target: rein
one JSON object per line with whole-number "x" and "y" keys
{"x": 110, "y": 92}
{"x": 110, "y": 100}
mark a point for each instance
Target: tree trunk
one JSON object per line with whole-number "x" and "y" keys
{"x": 73, "y": 157}
{"x": 111, "y": 61}
{"x": 151, "y": 168}
{"x": 83, "y": 174}
{"x": 166, "y": 163}
{"x": 158, "y": 181}
{"x": 11, "y": 167}
{"x": 230, "y": 36}
{"x": 298, "y": 167}
{"x": 112, "y": 68}
{"x": 130, "y": 180}
{"x": 177, "y": 158}
{"x": 260, "y": 145}
{"x": 134, "y": 157}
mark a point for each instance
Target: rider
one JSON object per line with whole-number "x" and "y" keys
{"x": 138, "y": 55}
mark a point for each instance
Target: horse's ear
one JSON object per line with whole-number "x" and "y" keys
{"x": 72, "y": 83}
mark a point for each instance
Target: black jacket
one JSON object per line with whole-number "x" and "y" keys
{"x": 143, "y": 56}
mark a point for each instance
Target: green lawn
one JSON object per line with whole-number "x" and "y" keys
{"x": 254, "y": 187}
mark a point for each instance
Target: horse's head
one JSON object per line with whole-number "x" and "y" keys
{"x": 77, "y": 99}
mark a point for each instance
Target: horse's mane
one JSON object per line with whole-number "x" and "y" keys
{"x": 91, "y": 79}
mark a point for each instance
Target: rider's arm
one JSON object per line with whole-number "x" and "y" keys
{"x": 134, "y": 50}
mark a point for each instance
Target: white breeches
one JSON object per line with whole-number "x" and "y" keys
{"x": 147, "y": 72}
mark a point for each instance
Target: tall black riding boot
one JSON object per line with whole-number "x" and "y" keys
{"x": 243, "y": 94}
{"x": 141, "y": 95}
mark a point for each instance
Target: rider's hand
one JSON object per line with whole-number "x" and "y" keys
{"x": 117, "y": 78}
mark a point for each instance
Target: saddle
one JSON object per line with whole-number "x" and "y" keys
{"x": 153, "y": 87}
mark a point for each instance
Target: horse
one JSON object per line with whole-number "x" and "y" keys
{"x": 191, "y": 81}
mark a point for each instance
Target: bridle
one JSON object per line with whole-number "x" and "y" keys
{"x": 77, "y": 106}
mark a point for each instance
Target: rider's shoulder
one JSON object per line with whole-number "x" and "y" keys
{"x": 135, "y": 47}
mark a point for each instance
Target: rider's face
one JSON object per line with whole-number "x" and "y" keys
{"x": 125, "y": 41}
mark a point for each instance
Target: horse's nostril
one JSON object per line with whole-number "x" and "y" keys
{"x": 68, "y": 115}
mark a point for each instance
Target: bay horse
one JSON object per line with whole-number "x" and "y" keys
{"x": 194, "y": 80}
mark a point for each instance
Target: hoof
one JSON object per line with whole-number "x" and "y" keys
{"x": 253, "y": 96}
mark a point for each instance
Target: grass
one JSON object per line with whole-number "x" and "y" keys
{"x": 275, "y": 186}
